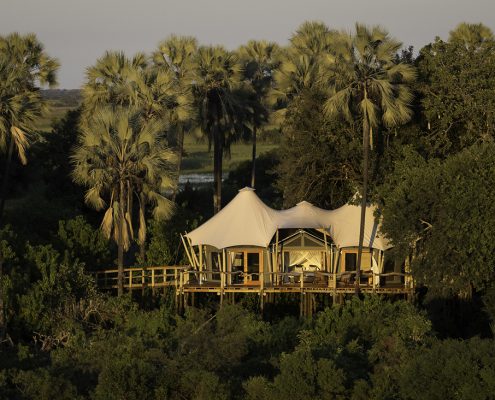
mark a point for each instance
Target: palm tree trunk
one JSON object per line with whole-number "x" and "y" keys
{"x": 217, "y": 170}
{"x": 3, "y": 327}
{"x": 217, "y": 160}
{"x": 179, "y": 158}
{"x": 5, "y": 180}
{"x": 253, "y": 168}
{"x": 142, "y": 244}
{"x": 366, "y": 148}
{"x": 120, "y": 245}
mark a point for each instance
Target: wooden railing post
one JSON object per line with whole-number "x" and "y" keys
{"x": 175, "y": 282}
{"x": 181, "y": 281}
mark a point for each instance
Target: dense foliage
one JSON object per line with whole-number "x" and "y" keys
{"x": 322, "y": 98}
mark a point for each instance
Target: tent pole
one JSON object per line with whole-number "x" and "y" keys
{"x": 187, "y": 250}
{"x": 193, "y": 253}
{"x": 325, "y": 259}
{"x": 223, "y": 274}
{"x": 219, "y": 259}
{"x": 272, "y": 263}
{"x": 276, "y": 257}
{"x": 200, "y": 263}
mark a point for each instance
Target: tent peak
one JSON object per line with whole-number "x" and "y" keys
{"x": 304, "y": 203}
{"x": 247, "y": 189}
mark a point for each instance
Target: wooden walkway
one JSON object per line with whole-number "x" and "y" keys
{"x": 185, "y": 280}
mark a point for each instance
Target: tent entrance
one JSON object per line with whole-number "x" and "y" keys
{"x": 246, "y": 266}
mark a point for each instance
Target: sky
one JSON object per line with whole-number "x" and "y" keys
{"x": 77, "y": 32}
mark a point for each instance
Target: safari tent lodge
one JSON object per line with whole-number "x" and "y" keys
{"x": 249, "y": 246}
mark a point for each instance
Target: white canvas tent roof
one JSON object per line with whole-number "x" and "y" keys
{"x": 304, "y": 215}
{"x": 247, "y": 221}
{"x": 344, "y": 228}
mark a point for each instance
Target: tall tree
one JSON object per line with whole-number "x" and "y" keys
{"x": 259, "y": 61}
{"x": 112, "y": 82}
{"x": 455, "y": 83}
{"x": 311, "y": 48}
{"x": 154, "y": 93}
{"x": 366, "y": 82}
{"x": 471, "y": 36}
{"x": 24, "y": 66}
{"x": 216, "y": 77}
{"x": 443, "y": 207}
{"x": 177, "y": 55}
{"x": 120, "y": 156}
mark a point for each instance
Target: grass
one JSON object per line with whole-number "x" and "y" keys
{"x": 197, "y": 159}
{"x": 55, "y": 113}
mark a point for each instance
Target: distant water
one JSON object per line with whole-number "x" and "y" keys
{"x": 196, "y": 180}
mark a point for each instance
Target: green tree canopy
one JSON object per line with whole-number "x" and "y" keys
{"x": 366, "y": 84}
{"x": 443, "y": 211}
{"x": 119, "y": 157}
{"x": 24, "y": 66}
{"x": 456, "y": 81}
{"x": 216, "y": 78}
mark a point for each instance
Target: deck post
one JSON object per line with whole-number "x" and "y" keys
{"x": 301, "y": 305}
{"x": 181, "y": 274}
{"x": 143, "y": 280}
{"x": 176, "y": 287}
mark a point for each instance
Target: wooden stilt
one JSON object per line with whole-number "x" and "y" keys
{"x": 301, "y": 305}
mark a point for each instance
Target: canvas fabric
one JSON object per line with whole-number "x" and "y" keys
{"x": 247, "y": 221}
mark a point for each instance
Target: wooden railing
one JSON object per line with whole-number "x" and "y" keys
{"x": 303, "y": 279}
{"x": 179, "y": 276}
{"x": 140, "y": 277}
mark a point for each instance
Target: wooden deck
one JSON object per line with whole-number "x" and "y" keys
{"x": 185, "y": 280}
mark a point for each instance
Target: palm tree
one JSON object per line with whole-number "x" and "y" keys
{"x": 259, "y": 62}
{"x": 312, "y": 48}
{"x": 177, "y": 55}
{"x": 23, "y": 66}
{"x": 471, "y": 36}
{"x": 117, "y": 81}
{"x": 216, "y": 77}
{"x": 313, "y": 39}
{"x": 120, "y": 156}
{"x": 365, "y": 82}
{"x": 112, "y": 82}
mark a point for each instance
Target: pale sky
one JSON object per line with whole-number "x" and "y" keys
{"x": 77, "y": 32}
